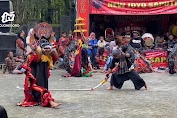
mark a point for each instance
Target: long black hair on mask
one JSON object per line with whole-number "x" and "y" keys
{"x": 18, "y": 34}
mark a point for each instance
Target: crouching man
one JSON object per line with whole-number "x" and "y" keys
{"x": 124, "y": 72}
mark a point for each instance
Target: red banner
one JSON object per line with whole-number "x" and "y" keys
{"x": 158, "y": 58}
{"x": 83, "y": 12}
{"x": 133, "y": 7}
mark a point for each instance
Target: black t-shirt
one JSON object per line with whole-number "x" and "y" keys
{"x": 137, "y": 42}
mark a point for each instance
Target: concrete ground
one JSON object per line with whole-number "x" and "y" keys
{"x": 159, "y": 102}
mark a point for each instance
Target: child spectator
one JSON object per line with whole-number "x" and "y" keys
{"x": 101, "y": 46}
{"x": 12, "y": 65}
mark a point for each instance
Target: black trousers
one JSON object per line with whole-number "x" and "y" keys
{"x": 118, "y": 80}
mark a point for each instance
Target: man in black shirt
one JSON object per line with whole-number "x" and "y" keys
{"x": 125, "y": 70}
{"x": 136, "y": 42}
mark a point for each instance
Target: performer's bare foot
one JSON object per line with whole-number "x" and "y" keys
{"x": 93, "y": 71}
{"x": 110, "y": 88}
{"x": 54, "y": 105}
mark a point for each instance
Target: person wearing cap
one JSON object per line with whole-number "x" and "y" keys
{"x": 137, "y": 42}
{"x": 123, "y": 59}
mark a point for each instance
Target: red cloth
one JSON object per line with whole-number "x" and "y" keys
{"x": 29, "y": 86}
{"x": 77, "y": 63}
{"x": 66, "y": 41}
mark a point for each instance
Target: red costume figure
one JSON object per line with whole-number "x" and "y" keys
{"x": 39, "y": 61}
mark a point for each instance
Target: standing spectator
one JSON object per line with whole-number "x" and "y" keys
{"x": 92, "y": 49}
{"x": 53, "y": 35}
{"x": 71, "y": 35}
{"x": 137, "y": 42}
{"x": 63, "y": 38}
{"x": 101, "y": 46}
{"x": 61, "y": 53}
{"x": 20, "y": 48}
{"x": 11, "y": 64}
{"x": 127, "y": 34}
{"x": 28, "y": 41}
{"x": 93, "y": 44}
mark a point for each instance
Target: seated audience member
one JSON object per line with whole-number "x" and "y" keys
{"x": 3, "y": 113}
{"x": 12, "y": 65}
{"x": 166, "y": 36}
{"x": 170, "y": 43}
{"x": 61, "y": 53}
{"x": 137, "y": 42}
{"x": 101, "y": 46}
{"x": 148, "y": 41}
{"x": 159, "y": 41}
{"x": 108, "y": 63}
{"x": 109, "y": 38}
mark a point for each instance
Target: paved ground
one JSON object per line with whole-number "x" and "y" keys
{"x": 159, "y": 102}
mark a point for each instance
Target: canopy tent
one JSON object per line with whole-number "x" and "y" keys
{"x": 125, "y": 7}
{"x": 133, "y": 7}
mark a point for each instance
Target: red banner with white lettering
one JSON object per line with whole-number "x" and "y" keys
{"x": 133, "y": 7}
{"x": 83, "y": 12}
{"x": 158, "y": 58}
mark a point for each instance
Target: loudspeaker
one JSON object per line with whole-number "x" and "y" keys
{"x": 5, "y": 6}
{"x": 7, "y": 43}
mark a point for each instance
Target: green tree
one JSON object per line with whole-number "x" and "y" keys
{"x": 40, "y": 10}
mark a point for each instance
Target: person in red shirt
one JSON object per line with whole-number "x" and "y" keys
{"x": 61, "y": 53}
{"x": 63, "y": 38}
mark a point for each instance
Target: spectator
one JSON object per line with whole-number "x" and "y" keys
{"x": 112, "y": 44}
{"x": 92, "y": 49}
{"x": 93, "y": 44}
{"x": 101, "y": 46}
{"x": 159, "y": 41}
{"x": 3, "y": 113}
{"x": 166, "y": 36}
{"x": 127, "y": 34}
{"x": 61, "y": 53}
{"x": 109, "y": 37}
{"x": 53, "y": 35}
{"x": 20, "y": 48}
{"x": 71, "y": 35}
{"x": 170, "y": 43}
{"x": 11, "y": 65}
{"x": 28, "y": 41}
{"x": 63, "y": 38}
{"x": 136, "y": 42}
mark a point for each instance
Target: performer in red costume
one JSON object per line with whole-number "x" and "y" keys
{"x": 37, "y": 66}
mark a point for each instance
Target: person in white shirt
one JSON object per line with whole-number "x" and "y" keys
{"x": 101, "y": 46}
{"x": 28, "y": 41}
